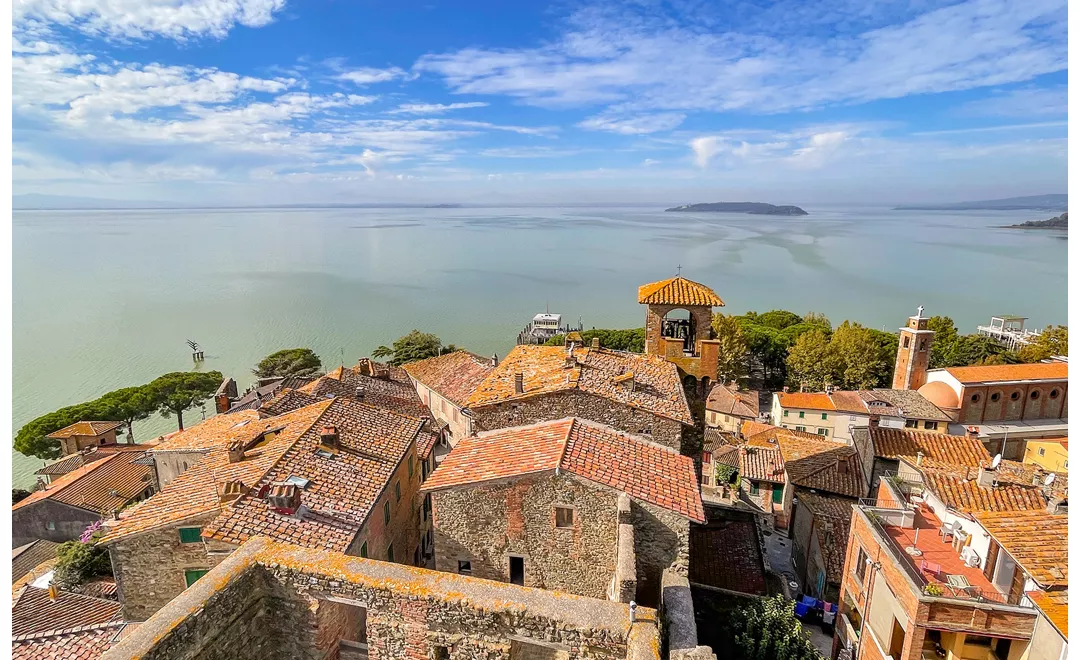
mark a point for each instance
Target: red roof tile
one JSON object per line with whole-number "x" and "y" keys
{"x": 678, "y": 291}
{"x": 101, "y": 486}
{"x": 1037, "y": 540}
{"x": 35, "y": 612}
{"x": 655, "y": 387}
{"x": 84, "y": 643}
{"x": 726, "y": 554}
{"x": 963, "y": 492}
{"x": 84, "y": 428}
{"x": 762, "y": 464}
{"x": 592, "y": 451}
{"x": 810, "y": 461}
{"x": 89, "y": 455}
{"x": 954, "y": 449}
{"x": 1055, "y": 607}
{"x": 729, "y": 401}
{"x": 806, "y": 400}
{"x": 454, "y": 376}
{"x": 1010, "y": 372}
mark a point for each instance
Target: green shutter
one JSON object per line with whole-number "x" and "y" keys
{"x": 777, "y": 495}
{"x": 824, "y": 415}
{"x": 190, "y": 535}
{"x": 191, "y": 576}
{"x": 363, "y": 550}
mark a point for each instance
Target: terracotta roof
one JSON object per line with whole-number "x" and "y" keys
{"x": 83, "y": 643}
{"x": 425, "y": 442}
{"x": 1010, "y": 372}
{"x": 954, "y": 449}
{"x": 728, "y": 401}
{"x": 1037, "y": 540}
{"x": 832, "y": 516}
{"x": 104, "y": 588}
{"x": 1030, "y": 474}
{"x": 254, "y": 399}
{"x": 343, "y": 488}
{"x": 455, "y": 376}
{"x": 89, "y": 455}
{"x": 195, "y": 491}
{"x": 84, "y": 428}
{"x": 216, "y": 431}
{"x": 287, "y": 401}
{"x": 752, "y": 428}
{"x": 762, "y": 464}
{"x": 655, "y": 387}
{"x": 639, "y": 468}
{"x": 35, "y": 612}
{"x": 909, "y": 402}
{"x": 963, "y": 492}
{"x": 726, "y": 554}
{"x": 678, "y": 291}
{"x": 392, "y": 391}
{"x": 1055, "y": 607}
{"x": 726, "y": 455}
{"x": 26, "y": 557}
{"x": 811, "y": 462}
{"x": 806, "y": 400}
{"x": 715, "y": 439}
{"x": 92, "y": 486}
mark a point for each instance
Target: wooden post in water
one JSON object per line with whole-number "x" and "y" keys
{"x": 196, "y": 352}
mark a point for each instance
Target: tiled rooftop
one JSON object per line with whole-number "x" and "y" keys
{"x": 715, "y": 439}
{"x": 25, "y": 557}
{"x": 216, "y": 431}
{"x": 89, "y": 455}
{"x": 455, "y": 376}
{"x": 726, "y": 455}
{"x": 910, "y": 402}
{"x": 34, "y": 612}
{"x": 1037, "y": 540}
{"x": 390, "y": 388}
{"x": 833, "y": 517}
{"x": 1010, "y": 372}
{"x": 726, "y": 554}
{"x": 961, "y": 491}
{"x": 254, "y": 399}
{"x": 84, "y": 428}
{"x": 195, "y": 491}
{"x": 678, "y": 291}
{"x": 343, "y": 488}
{"x": 655, "y": 386}
{"x": 813, "y": 462}
{"x": 807, "y": 400}
{"x": 101, "y": 486}
{"x": 84, "y": 643}
{"x": 762, "y": 464}
{"x": 1055, "y": 607}
{"x": 954, "y": 449}
{"x": 727, "y": 400}
{"x": 641, "y": 469}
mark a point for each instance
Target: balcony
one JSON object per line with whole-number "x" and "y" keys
{"x": 915, "y": 540}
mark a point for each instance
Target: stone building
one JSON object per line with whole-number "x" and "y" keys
{"x": 272, "y": 599}
{"x": 83, "y": 435}
{"x": 337, "y": 474}
{"x": 52, "y": 471}
{"x": 445, "y": 384}
{"x": 638, "y": 394}
{"x": 72, "y": 502}
{"x": 880, "y": 450}
{"x": 678, "y": 327}
{"x": 539, "y": 505}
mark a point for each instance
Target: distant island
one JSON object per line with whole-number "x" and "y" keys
{"x": 754, "y": 208}
{"x": 1030, "y": 203}
{"x": 1060, "y": 222}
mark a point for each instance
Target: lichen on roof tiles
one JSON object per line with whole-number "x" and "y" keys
{"x": 454, "y": 376}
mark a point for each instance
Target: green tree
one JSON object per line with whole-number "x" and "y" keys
{"x": 178, "y": 391}
{"x": 127, "y": 405}
{"x": 976, "y": 349}
{"x": 18, "y": 495}
{"x": 778, "y": 319}
{"x": 31, "y": 438}
{"x": 766, "y": 629}
{"x": 79, "y": 562}
{"x": 856, "y": 357}
{"x": 817, "y": 318}
{"x": 810, "y": 363}
{"x": 412, "y": 347}
{"x": 1054, "y": 340}
{"x": 732, "y": 349}
{"x": 945, "y": 336}
{"x": 289, "y": 362}
{"x": 632, "y": 340}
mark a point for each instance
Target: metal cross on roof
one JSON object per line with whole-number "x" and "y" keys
{"x": 678, "y": 271}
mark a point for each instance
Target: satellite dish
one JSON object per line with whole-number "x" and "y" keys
{"x": 1049, "y": 479}
{"x": 996, "y": 462}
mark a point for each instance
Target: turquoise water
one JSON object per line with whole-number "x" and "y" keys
{"x": 106, "y": 299}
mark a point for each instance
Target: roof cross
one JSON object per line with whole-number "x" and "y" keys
{"x": 679, "y": 271}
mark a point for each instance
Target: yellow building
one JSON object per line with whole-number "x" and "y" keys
{"x": 1049, "y": 453}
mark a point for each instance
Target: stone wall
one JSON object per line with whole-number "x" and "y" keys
{"x": 485, "y": 525}
{"x": 264, "y": 600}
{"x": 171, "y": 464}
{"x": 661, "y": 542}
{"x": 405, "y": 524}
{"x": 624, "y": 584}
{"x": 677, "y": 615}
{"x": 557, "y": 405}
{"x": 31, "y": 522}
{"x": 149, "y": 567}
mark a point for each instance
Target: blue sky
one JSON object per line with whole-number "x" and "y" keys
{"x": 280, "y": 101}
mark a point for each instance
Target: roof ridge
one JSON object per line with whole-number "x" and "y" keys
{"x": 74, "y": 475}
{"x": 566, "y": 443}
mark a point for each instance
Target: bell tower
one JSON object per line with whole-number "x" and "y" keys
{"x": 685, "y": 336}
{"x": 913, "y": 355}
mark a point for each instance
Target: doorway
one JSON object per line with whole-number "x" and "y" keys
{"x": 517, "y": 570}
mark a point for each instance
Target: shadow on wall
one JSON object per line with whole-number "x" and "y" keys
{"x": 657, "y": 547}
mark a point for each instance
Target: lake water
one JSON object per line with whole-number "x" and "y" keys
{"x": 106, "y": 299}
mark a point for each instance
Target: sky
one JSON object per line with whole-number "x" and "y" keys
{"x": 338, "y": 101}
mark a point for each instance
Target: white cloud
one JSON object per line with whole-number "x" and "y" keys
{"x": 142, "y": 19}
{"x": 433, "y": 108}
{"x": 1027, "y": 102}
{"x": 636, "y": 125}
{"x": 819, "y": 148}
{"x": 370, "y": 75}
{"x": 641, "y": 62}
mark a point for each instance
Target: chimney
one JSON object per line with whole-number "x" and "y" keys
{"x": 329, "y": 439}
{"x": 626, "y": 378}
{"x": 53, "y": 592}
{"x": 973, "y": 432}
{"x": 571, "y": 361}
{"x": 236, "y": 451}
{"x": 519, "y": 383}
{"x": 364, "y": 366}
{"x": 284, "y": 498}
{"x": 232, "y": 490}
{"x": 918, "y": 458}
{"x": 116, "y": 514}
{"x": 595, "y": 342}
{"x": 221, "y": 403}
{"x": 494, "y": 359}
{"x": 360, "y": 392}
{"x": 987, "y": 477}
